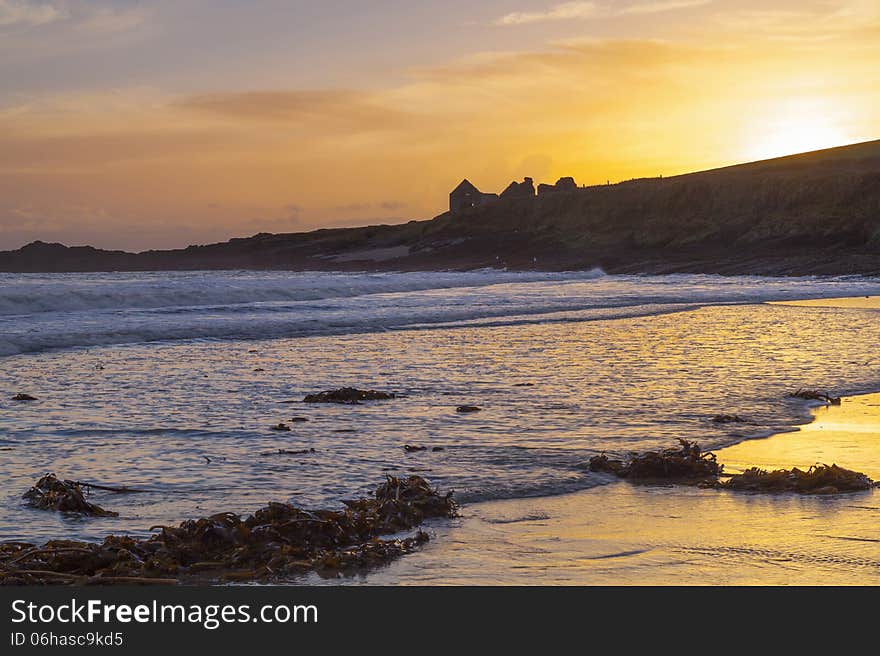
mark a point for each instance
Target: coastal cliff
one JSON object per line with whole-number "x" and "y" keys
{"x": 813, "y": 213}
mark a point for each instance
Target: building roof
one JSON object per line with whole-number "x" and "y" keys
{"x": 466, "y": 186}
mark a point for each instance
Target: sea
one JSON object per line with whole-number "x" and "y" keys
{"x": 171, "y": 382}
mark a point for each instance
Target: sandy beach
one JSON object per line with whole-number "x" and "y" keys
{"x": 134, "y": 386}
{"x": 624, "y": 534}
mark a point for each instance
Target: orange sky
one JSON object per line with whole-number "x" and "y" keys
{"x": 140, "y": 125}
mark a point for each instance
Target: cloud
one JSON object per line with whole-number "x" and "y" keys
{"x": 586, "y": 10}
{"x": 110, "y": 20}
{"x": 340, "y": 111}
{"x": 564, "y": 11}
{"x": 142, "y": 168}
{"x": 388, "y": 205}
{"x": 809, "y": 22}
{"x": 661, "y": 6}
{"x": 23, "y": 13}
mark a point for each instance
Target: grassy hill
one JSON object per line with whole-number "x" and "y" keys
{"x": 816, "y": 212}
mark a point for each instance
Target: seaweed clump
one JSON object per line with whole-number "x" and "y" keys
{"x": 347, "y": 396}
{"x": 275, "y": 542}
{"x": 815, "y": 395}
{"x": 51, "y": 493}
{"x": 818, "y": 479}
{"x": 728, "y": 419}
{"x": 687, "y": 463}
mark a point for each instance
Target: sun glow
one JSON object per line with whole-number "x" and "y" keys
{"x": 797, "y": 128}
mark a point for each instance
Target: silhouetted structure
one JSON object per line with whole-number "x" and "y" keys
{"x": 563, "y": 184}
{"x": 467, "y": 195}
{"x": 519, "y": 189}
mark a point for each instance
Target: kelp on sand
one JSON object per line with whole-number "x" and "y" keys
{"x": 815, "y": 395}
{"x": 818, "y": 479}
{"x": 689, "y": 465}
{"x": 275, "y": 542}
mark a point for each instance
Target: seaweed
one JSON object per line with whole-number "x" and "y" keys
{"x": 815, "y": 395}
{"x": 347, "y": 396}
{"x": 818, "y": 479}
{"x": 51, "y": 493}
{"x": 289, "y": 452}
{"x": 274, "y": 543}
{"x": 728, "y": 419}
{"x": 687, "y": 463}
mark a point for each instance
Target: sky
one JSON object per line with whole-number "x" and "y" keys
{"x": 137, "y": 124}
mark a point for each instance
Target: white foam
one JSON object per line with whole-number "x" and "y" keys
{"x": 52, "y": 311}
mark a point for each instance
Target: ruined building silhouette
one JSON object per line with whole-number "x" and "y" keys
{"x": 466, "y": 195}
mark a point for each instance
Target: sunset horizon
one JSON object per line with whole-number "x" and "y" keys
{"x": 497, "y": 297}
{"x": 155, "y": 125}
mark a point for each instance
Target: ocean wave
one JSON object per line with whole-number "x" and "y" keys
{"x": 22, "y": 294}
{"x": 59, "y": 311}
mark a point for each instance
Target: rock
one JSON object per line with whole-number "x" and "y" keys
{"x": 468, "y": 408}
{"x": 347, "y": 396}
{"x": 24, "y": 397}
{"x": 281, "y": 426}
{"x": 410, "y": 448}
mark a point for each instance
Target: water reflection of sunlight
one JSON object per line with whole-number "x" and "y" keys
{"x": 847, "y": 435}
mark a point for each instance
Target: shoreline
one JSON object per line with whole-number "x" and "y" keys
{"x": 635, "y": 517}
{"x": 630, "y": 534}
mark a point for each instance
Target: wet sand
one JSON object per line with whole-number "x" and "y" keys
{"x": 623, "y": 534}
{"x": 852, "y": 302}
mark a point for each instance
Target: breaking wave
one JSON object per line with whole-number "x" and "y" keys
{"x": 40, "y": 312}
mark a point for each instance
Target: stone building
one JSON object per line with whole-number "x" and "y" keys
{"x": 466, "y": 195}
{"x": 563, "y": 184}
{"x": 519, "y": 189}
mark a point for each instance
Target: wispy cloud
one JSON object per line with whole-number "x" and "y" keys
{"x": 660, "y": 6}
{"x": 336, "y": 111}
{"x": 64, "y": 19}
{"x": 23, "y": 13}
{"x": 564, "y": 11}
{"x": 587, "y": 10}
